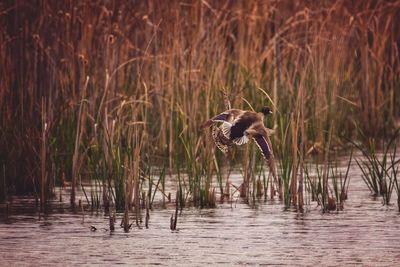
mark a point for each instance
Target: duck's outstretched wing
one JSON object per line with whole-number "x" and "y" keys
{"x": 241, "y": 140}
{"x": 264, "y": 143}
{"x": 223, "y": 117}
{"x": 223, "y": 143}
{"x": 221, "y": 135}
{"x": 227, "y": 117}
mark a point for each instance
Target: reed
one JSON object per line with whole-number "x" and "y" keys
{"x": 377, "y": 169}
{"x": 43, "y": 154}
{"x": 3, "y": 191}
{"x": 285, "y": 154}
{"x": 340, "y": 182}
{"x": 174, "y": 217}
{"x": 394, "y": 167}
{"x": 326, "y": 183}
{"x": 77, "y": 158}
{"x": 161, "y": 66}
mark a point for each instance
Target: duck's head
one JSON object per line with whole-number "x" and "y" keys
{"x": 266, "y": 110}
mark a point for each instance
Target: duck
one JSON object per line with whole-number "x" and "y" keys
{"x": 238, "y": 127}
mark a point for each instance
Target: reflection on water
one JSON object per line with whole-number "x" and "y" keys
{"x": 365, "y": 233}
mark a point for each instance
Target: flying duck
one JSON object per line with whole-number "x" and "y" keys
{"x": 238, "y": 126}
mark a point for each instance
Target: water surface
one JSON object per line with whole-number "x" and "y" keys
{"x": 233, "y": 234}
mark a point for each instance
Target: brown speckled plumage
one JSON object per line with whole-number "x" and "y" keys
{"x": 223, "y": 143}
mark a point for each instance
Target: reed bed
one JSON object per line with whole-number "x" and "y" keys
{"x": 105, "y": 92}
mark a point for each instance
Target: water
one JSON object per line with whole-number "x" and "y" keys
{"x": 233, "y": 234}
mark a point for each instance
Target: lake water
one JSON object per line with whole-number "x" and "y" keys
{"x": 233, "y": 234}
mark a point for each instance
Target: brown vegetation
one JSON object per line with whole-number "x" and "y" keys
{"x": 90, "y": 86}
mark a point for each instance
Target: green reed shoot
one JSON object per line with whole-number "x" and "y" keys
{"x": 285, "y": 155}
{"x": 340, "y": 182}
{"x": 375, "y": 167}
{"x": 394, "y": 167}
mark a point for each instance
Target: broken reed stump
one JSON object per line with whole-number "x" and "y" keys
{"x": 147, "y": 216}
{"x": 174, "y": 220}
{"x": 143, "y": 200}
{"x": 112, "y": 222}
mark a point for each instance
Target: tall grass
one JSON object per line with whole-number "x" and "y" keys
{"x": 329, "y": 190}
{"x": 395, "y": 164}
{"x": 379, "y": 170}
{"x": 155, "y": 72}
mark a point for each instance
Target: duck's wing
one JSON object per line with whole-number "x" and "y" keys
{"x": 223, "y": 143}
{"x": 237, "y": 129}
{"x": 241, "y": 140}
{"x": 223, "y": 117}
{"x": 263, "y": 142}
{"x": 227, "y": 118}
{"x": 264, "y": 146}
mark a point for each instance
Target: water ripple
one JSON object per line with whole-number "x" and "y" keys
{"x": 365, "y": 233}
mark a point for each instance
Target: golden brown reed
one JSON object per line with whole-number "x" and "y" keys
{"x": 156, "y": 70}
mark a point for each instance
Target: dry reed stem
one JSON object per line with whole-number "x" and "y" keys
{"x": 293, "y": 181}
{"x": 301, "y": 154}
{"x": 78, "y": 139}
{"x": 43, "y": 154}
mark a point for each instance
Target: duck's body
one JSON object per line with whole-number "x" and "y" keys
{"x": 238, "y": 126}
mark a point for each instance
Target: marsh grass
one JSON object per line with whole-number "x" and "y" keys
{"x": 317, "y": 186}
{"x": 285, "y": 156}
{"x": 395, "y": 164}
{"x": 329, "y": 190}
{"x": 102, "y": 90}
{"x": 3, "y": 190}
{"x": 340, "y": 182}
{"x": 379, "y": 170}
